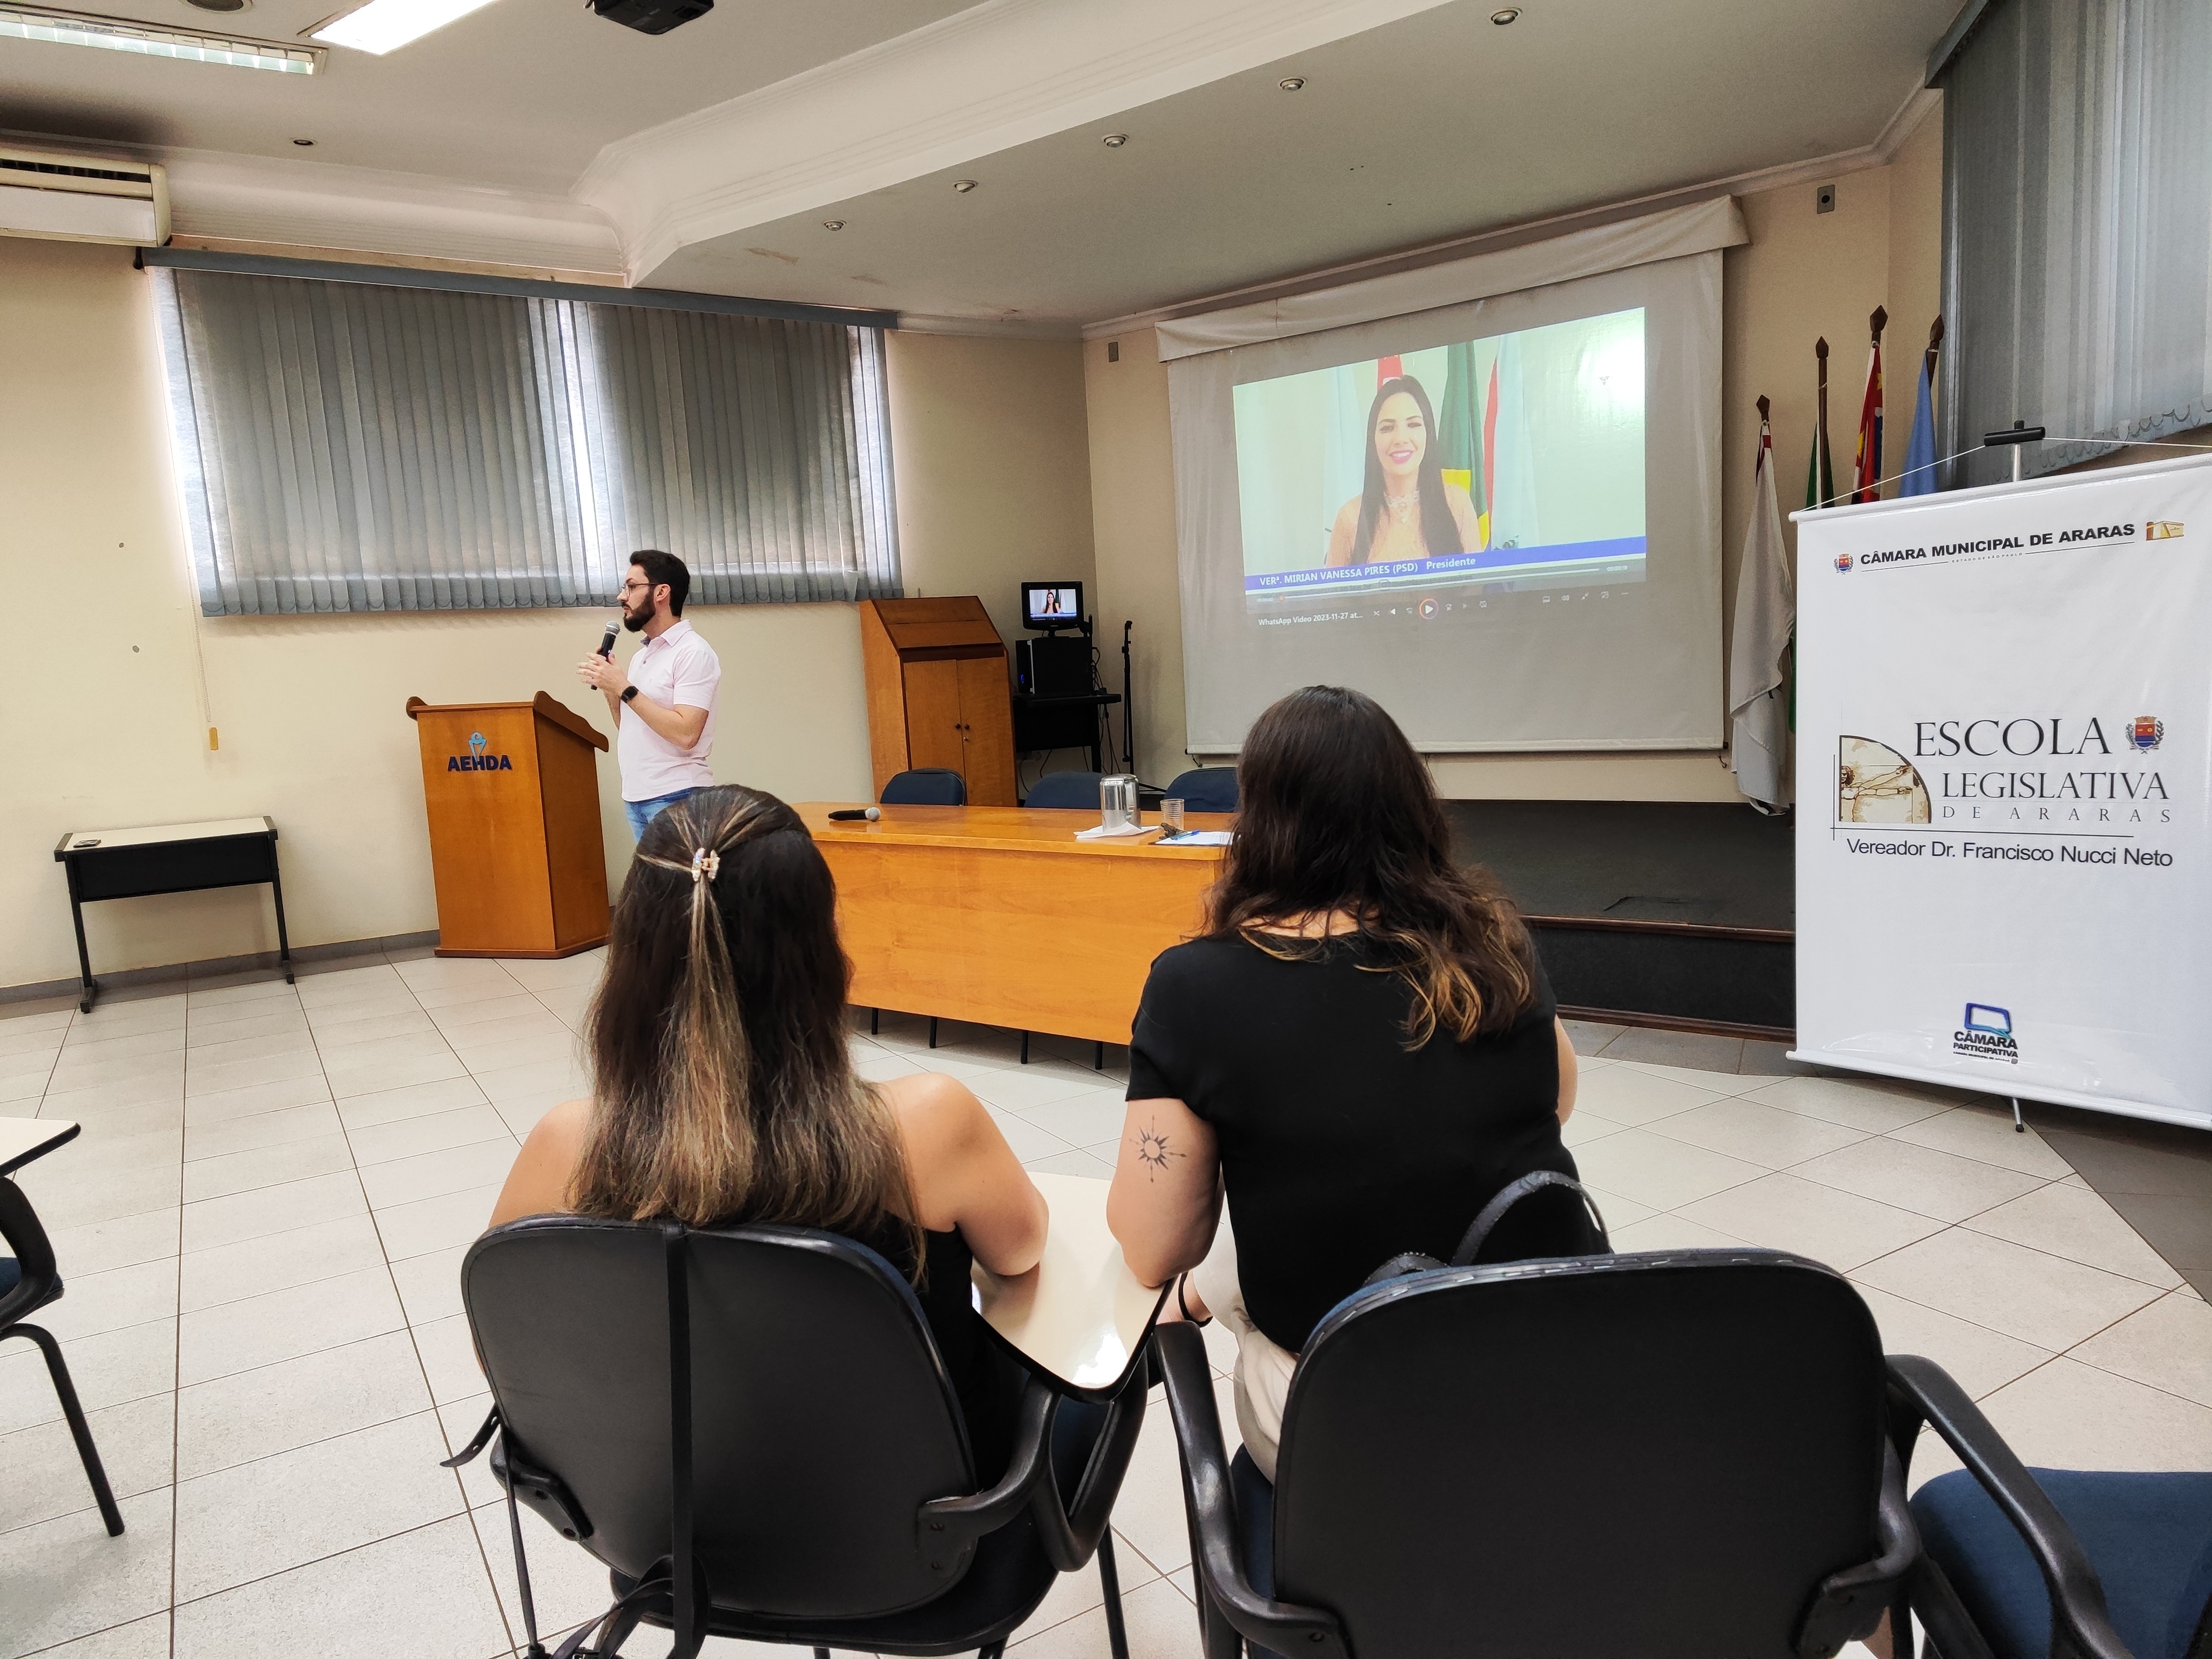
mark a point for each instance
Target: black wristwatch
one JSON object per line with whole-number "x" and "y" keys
{"x": 628, "y": 691}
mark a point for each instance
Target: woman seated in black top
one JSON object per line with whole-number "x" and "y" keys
{"x": 723, "y": 1090}
{"x": 1361, "y": 1049}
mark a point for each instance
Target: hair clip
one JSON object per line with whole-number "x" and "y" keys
{"x": 706, "y": 863}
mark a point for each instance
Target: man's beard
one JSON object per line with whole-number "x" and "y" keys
{"x": 634, "y": 622}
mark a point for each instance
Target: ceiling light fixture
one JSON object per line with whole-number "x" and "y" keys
{"x": 964, "y": 185}
{"x": 149, "y": 40}
{"x": 1291, "y": 83}
{"x": 1502, "y": 18}
{"x": 1115, "y": 140}
{"x": 383, "y": 26}
{"x": 305, "y": 143}
{"x": 833, "y": 224}
{"x": 219, "y": 5}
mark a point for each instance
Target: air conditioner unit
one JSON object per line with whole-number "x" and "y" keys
{"x": 83, "y": 198}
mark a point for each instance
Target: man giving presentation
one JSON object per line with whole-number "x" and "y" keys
{"x": 664, "y": 704}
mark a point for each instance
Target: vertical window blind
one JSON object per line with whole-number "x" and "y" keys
{"x": 344, "y": 446}
{"x": 2077, "y": 220}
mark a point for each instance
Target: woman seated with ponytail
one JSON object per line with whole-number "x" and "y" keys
{"x": 723, "y": 1090}
{"x": 1360, "y": 1048}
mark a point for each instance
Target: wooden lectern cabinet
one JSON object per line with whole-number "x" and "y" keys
{"x": 512, "y": 791}
{"x": 938, "y": 694}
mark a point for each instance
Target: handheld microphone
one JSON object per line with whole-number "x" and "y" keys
{"x": 607, "y": 645}
{"x": 852, "y": 814}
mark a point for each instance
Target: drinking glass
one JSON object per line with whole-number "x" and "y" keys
{"x": 1171, "y": 816}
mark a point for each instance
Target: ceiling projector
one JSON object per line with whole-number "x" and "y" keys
{"x": 651, "y": 17}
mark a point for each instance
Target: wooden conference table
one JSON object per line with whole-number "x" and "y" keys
{"x": 997, "y": 915}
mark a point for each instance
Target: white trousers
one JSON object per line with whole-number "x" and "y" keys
{"x": 1263, "y": 1368}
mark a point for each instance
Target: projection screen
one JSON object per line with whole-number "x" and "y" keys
{"x": 1500, "y": 517}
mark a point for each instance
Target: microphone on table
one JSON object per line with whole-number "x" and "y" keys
{"x": 607, "y": 644}
{"x": 850, "y": 814}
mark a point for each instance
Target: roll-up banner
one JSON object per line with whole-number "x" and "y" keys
{"x": 2004, "y": 788}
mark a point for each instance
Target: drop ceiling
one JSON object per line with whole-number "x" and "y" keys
{"x": 709, "y": 158}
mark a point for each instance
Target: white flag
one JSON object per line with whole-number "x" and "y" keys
{"x": 1759, "y": 707}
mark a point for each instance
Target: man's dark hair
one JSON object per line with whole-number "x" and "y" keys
{"x": 660, "y": 567}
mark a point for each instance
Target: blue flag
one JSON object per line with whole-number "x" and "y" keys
{"x": 1919, "y": 477}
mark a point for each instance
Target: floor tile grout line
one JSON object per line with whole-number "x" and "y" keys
{"x": 305, "y": 1445}
{"x": 301, "y": 1566}
{"x": 176, "y": 1387}
{"x": 2072, "y": 1261}
{"x": 429, "y": 1389}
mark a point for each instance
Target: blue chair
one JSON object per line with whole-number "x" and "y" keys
{"x": 927, "y": 786}
{"x": 28, "y": 1281}
{"x": 2022, "y": 1563}
{"x": 1206, "y": 789}
{"x": 1066, "y": 790}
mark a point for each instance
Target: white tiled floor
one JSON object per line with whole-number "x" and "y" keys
{"x": 261, "y": 1222}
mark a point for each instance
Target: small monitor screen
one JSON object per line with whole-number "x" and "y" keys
{"x": 1052, "y": 605}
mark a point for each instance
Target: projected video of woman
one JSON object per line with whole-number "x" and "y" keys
{"x": 1512, "y": 460}
{"x": 1406, "y": 509}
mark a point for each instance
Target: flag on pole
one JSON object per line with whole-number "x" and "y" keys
{"x": 1919, "y": 477}
{"x": 1765, "y": 611}
{"x": 1458, "y": 434}
{"x": 1866, "y": 464}
{"x": 1820, "y": 472}
{"x": 1490, "y": 458}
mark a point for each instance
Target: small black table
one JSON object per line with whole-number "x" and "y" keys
{"x": 168, "y": 857}
{"x": 1042, "y": 723}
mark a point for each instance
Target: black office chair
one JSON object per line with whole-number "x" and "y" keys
{"x": 926, "y": 785}
{"x": 1206, "y": 789}
{"x": 1065, "y": 790}
{"x": 28, "y": 1281}
{"x": 821, "y": 1491}
{"x": 2023, "y": 1563}
{"x": 1668, "y": 1454}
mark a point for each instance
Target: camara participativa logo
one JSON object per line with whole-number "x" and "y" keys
{"x": 1986, "y": 1033}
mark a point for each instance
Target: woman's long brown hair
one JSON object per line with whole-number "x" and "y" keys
{"x": 1336, "y": 813}
{"x": 723, "y": 1090}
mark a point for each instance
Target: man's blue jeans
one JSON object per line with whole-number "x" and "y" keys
{"x": 642, "y": 812}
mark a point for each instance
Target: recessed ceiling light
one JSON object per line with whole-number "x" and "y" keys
{"x": 1291, "y": 83}
{"x": 220, "y": 5}
{"x": 383, "y": 26}
{"x": 305, "y": 143}
{"x": 1502, "y": 17}
{"x": 964, "y": 185}
{"x": 833, "y": 224}
{"x": 1115, "y": 140}
{"x": 147, "y": 40}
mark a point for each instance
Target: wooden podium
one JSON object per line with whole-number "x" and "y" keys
{"x": 938, "y": 694}
{"x": 512, "y": 791}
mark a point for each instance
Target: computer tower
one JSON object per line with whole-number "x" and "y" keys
{"x": 1056, "y": 665}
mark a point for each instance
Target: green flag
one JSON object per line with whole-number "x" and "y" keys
{"x": 1820, "y": 472}
{"x": 1458, "y": 434}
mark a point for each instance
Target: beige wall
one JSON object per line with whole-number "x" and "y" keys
{"x": 1801, "y": 276}
{"x": 109, "y": 728}
{"x": 1133, "y": 526}
{"x": 992, "y": 467}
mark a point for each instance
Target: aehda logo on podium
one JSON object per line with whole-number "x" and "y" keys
{"x": 476, "y": 760}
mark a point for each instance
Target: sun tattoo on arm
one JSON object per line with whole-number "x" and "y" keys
{"x": 1153, "y": 1151}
